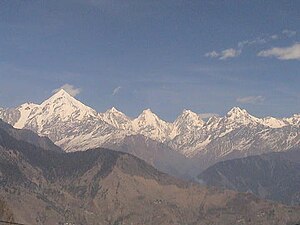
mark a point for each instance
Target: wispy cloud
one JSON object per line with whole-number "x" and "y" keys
{"x": 257, "y": 41}
{"x": 212, "y": 54}
{"x": 230, "y": 53}
{"x": 267, "y": 38}
{"x": 289, "y": 33}
{"x": 251, "y": 100}
{"x": 207, "y": 115}
{"x": 274, "y": 37}
{"x": 116, "y": 90}
{"x": 73, "y": 91}
{"x": 225, "y": 54}
{"x": 234, "y": 52}
{"x": 286, "y": 53}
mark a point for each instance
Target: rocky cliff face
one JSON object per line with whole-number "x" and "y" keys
{"x": 5, "y": 212}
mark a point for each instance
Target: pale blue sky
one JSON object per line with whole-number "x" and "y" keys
{"x": 207, "y": 56}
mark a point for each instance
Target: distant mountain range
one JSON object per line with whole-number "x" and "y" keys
{"x": 100, "y": 186}
{"x": 274, "y": 176}
{"x": 74, "y": 126}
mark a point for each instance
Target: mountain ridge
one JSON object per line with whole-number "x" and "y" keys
{"x": 73, "y": 126}
{"x": 273, "y": 176}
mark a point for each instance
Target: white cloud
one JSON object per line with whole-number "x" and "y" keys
{"x": 251, "y": 99}
{"x": 287, "y": 53}
{"x": 207, "y": 115}
{"x": 263, "y": 39}
{"x": 274, "y": 37}
{"x": 212, "y": 54}
{"x": 230, "y": 53}
{"x": 267, "y": 38}
{"x": 225, "y": 54}
{"x": 73, "y": 91}
{"x": 289, "y": 33}
{"x": 116, "y": 90}
{"x": 259, "y": 40}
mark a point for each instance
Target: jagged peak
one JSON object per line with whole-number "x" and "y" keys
{"x": 61, "y": 93}
{"x": 241, "y": 115}
{"x": 213, "y": 119}
{"x": 237, "y": 111}
{"x": 67, "y": 103}
{"x": 188, "y": 112}
{"x": 114, "y": 111}
{"x": 273, "y": 122}
{"x": 149, "y": 117}
{"x": 63, "y": 96}
{"x": 188, "y": 118}
{"x": 147, "y": 113}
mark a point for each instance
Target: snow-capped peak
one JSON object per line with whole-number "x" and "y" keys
{"x": 187, "y": 122}
{"x": 188, "y": 112}
{"x": 236, "y": 111}
{"x": 294, "y": 120}
{"x": 147, "y": 112}
{"x": 239, "y": 115}
{"x": 148, "y": 117}
{"x": 61, "y": 96}
{"x": 64, "y": 105}
{"x": 150, "y": 125}
{"x": 113, "y": 110}
{"x": 116, "y": 118}
{"x": 61, "y": 92}
{"x": 273, "y": 122}
{"x": 25, "y": 111}
{"x": 189, "y": 118}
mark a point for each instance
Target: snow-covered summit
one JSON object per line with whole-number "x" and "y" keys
{"x": 63, "y": 105}
{"x": 240, "y": 116}
{"x": 147, "y": 117}
{"x": 150, "y": 125}
{"x": 117, "y": 119}
{"x": 273, "y": 122}
{"x": 191, "y": 118}
{"x": 24, "y": 110}
{"x": 294, "y": 120}
{"x": 186, "y": 122}
{"x": 60, "y": 107}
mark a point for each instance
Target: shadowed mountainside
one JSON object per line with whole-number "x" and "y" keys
{"x": 156, "y": 154}
{"x": 274, "y": 176}
{"x": 30, "y": 137}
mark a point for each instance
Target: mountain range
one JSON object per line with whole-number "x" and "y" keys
{"x": 105, "y": 187}
{"x": 74, "y": 126}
